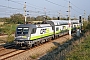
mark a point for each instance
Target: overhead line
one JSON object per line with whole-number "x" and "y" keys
{"x": 23, "y": 4}
{"x": 10, "y": 7}
{"x": 73, "y": 4}
{"x": 76, "y": 6}
{"x": 66, "y": 0}
{"x": 55, "y": 3}
{"x": 36, "y": 7}
{"x": 28, "y": 6}
{"x": 77, "y": 11}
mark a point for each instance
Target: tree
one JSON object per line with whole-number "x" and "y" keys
{"x": 17, "y": 19}
{"x": 2, "y": 19}
{"x": 32, "y": 19}
{"x": 6, "y": 19}
{"x": 48, "y": 18}
{"x": 39, "y": 18}
{"x": 28, "y": 19}
{"x": 54, "y": 18}
{"x": 89, "y": 18}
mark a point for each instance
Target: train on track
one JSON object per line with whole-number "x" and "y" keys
{"x": 34, "y": 34}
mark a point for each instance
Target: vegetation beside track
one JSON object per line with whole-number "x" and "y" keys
{"x": 7, "y": 29}
{"x": 81, "y": 51}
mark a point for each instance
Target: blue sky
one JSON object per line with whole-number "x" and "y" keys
{"x": 38, "y": 7}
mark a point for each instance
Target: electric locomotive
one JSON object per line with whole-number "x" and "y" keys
{"x": 30, "y": 34}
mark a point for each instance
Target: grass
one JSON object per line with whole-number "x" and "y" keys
{"x": 34, "y": 56}
{"x": 8, "y": 29}
{"x": 80, "y": 51}
{"x": 37, "y": 55}
{"x": 51, "y": 49}
{"x": 1, "y": 23}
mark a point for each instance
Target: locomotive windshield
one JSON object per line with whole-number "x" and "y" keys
{"x": 22, "y": 30}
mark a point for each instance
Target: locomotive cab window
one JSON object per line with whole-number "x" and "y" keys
{"x": 33, "y": 31}
{"x": 25, "y": 30}
{"x": 22, "y": 30}
{"x": 19, "y": 30}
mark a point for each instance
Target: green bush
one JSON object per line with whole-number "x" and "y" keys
{"x": 8, "y": 29}
{"x": 10, "y": 39}
{"x": 86, "y": 26}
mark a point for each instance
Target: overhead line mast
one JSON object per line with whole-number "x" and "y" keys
{"x": 84, "y": 15}
{"x": 25, "y": 12}
{"x": 69, "y": 20}
{"x": 69, "y": 10}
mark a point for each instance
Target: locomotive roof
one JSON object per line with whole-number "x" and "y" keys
{"x": 27, "y": 25}
{"x": 34, "y": 26}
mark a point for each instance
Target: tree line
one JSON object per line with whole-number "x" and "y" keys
{"x": 19, "y": 18}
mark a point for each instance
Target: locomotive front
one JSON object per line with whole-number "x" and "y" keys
{"x": 22, "y": 35}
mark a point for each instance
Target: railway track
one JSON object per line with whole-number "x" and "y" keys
{"x": 17, "y": 51}
{"x": 11, "y": 54}
{"x": 2, "y": 49}
{"x": 8, "y": 51}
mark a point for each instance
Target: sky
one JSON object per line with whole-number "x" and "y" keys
{"x": 52, "y": 8}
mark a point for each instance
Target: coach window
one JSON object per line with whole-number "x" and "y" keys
{"x": 53, "y": 27}
{"x": 57, "y": 29}
{"x": 64, "y": 27}
{"x": 60, "y": 29}
{"x": 57, "y": 23}
{"x": 33, "y": 31}
{"x": 74, "y": 26}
